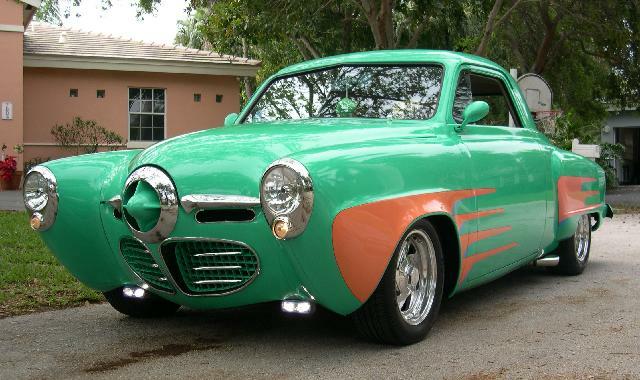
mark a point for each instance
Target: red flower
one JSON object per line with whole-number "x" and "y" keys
{"x": 8, "y": 167}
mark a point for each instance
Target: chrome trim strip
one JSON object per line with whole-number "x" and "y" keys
{"x": 207, "y": 254}
{"x": 219, "y": 267}
{"x": 116, "y": 202}
{"x": 217, "y": 282}
{"x": 175, "y": 283}
{"x": 50, "y": 211}
{"x": 205, "y": 201}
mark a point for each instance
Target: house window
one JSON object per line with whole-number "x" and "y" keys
{"x": 73, "y": 92}
{"x": 197, "y": 98}
{"x": 218, "y": 98}
{"x": 100, "y": 93}
{"x": 146, "y": 114}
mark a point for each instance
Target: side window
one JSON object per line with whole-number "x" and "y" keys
{"x": 472, "y": 87}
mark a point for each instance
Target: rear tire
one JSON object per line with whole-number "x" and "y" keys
{"x": 148, "y": 306}
{"x": 405, "y": 305}
{"x": 574, "y": 252}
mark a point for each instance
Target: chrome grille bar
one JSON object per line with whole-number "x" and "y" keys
{"x": 216, "y": 254}
{"x": 217, "y": 281}
{"x": 219, "y": 267}
{"x": 203, "y": 201}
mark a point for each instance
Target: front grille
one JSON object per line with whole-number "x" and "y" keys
{"x": 210, "y": 266}
{"x": 142, "y": 263}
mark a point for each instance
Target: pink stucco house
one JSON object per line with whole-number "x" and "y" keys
{"x": 144, "y": 92}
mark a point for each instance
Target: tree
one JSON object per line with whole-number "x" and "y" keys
{"x": 54, "y": 11}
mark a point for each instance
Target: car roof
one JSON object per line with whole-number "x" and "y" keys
{"x": 390, "y": 56}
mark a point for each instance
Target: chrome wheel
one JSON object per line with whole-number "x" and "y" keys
{"x": 582, "y": 237}
{"x": 416, "y": 277}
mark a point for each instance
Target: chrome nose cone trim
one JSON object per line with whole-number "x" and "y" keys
{"x": 167, "y": 196}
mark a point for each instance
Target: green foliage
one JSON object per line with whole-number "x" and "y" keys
{"x": 28, "y": 165}
{"x": 31, "y": 279}
{"x": 85, "y": 136}
{"x": 55, "y": 11}
{"x": 568, "y": 127}
{"x": 586, "y": 50}
{"x": 608, "y": 153}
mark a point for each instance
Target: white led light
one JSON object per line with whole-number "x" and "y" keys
{"x": 128, "y": 292}
{"x": 288, "y": 306}
{"x": 296, "y": 306}
{"x": 138, "y": 293}
{"x": 303, "y": 307}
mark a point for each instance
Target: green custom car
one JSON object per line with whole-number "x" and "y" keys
{"x": 373, "y": 184}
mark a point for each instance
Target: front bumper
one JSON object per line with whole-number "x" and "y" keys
{"x": 86, "y": 239}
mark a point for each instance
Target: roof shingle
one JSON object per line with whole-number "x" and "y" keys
{"x": 45, "y": 39}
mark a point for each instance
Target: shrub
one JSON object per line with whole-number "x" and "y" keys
{"x": 85, "y": 136}
{"x": 34, "y": 162}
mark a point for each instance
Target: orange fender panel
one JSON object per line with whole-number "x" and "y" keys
{"x": 365, "y": 236}
{"x": 571, "y": 197}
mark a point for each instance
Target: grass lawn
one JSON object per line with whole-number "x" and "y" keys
{"x": 31, "y": 279}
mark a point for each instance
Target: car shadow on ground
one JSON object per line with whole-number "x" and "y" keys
{"x": 265, "y": 328}
{"x": 267, "y": 322}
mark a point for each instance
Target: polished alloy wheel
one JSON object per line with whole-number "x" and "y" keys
{"x": 582, "y": 238}
{"x": 416, "y": 277}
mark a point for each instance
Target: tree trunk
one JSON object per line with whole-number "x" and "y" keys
{"x": 248, "y": 84}
{"x": 551, "y": 28}
{"x": 347, "y": 28}
{"x": 380, "y": 20}
{"x": 488, "y": 28}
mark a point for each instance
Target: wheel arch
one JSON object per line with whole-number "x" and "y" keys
{"x": 450, "y": 244}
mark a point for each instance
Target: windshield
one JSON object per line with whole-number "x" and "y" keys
{"x": 398, "y": 92}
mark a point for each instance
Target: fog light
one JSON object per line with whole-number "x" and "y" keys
{"x": 280, "y": 227}
{"x": 36, "y": 221}
{"x": 133, "y": 292}
{"x": 297, "y": 306}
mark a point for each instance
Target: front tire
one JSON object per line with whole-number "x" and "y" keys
{"x": 406, "y": 303}
{"x": 574, "y": 252}
{"x": 147, "y": 306}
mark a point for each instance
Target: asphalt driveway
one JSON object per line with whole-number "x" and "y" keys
{"x": 529, "y": 324}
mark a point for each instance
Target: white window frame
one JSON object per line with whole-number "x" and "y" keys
{"x": 145, "y": 143}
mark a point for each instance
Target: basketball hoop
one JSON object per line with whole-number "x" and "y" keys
{"x": 539, "y": 97}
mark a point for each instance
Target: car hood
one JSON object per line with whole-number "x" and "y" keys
{"x": 232, "y": 159}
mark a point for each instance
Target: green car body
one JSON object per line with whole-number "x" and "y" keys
{"x": 501, "y": 197}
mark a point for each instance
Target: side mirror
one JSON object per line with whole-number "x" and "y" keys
{"x": 473, "y": 112}
{"x": 230, "y": 119}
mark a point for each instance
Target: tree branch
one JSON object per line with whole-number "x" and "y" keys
{"x": 314, "y": 52}
{"x": 413, "y": 41}
{"x": 488, "y": 28}
{"x": 301, "y": 48}
{"x": 507, "y": 13}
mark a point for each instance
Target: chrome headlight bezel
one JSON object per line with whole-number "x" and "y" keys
{"x": 167, "y": 196}
{"x": 298, "y": 217}
{"x": 47, "y": 213}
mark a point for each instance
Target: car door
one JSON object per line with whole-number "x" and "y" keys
{"x": 510, "y": 171}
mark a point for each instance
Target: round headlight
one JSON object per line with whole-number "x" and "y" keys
{"x": 35, "y": 191}
{"x": 282, "y": 190}
{"x": 39, "y": 191}
{"x": 286, "y": 191}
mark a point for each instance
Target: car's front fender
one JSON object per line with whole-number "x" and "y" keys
{"x": 77, "y": 237}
